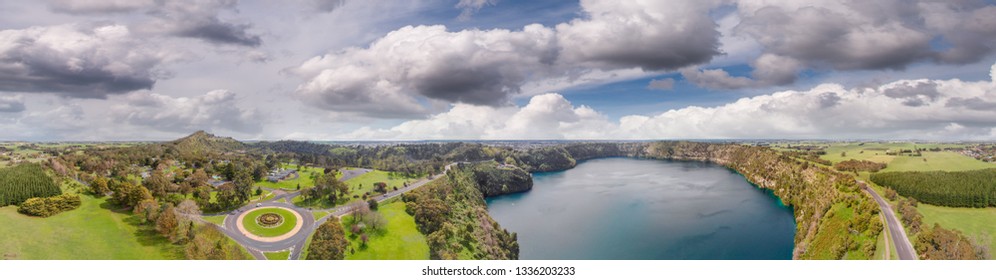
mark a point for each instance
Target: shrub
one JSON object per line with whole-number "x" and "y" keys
{"x": 48, "y": 206}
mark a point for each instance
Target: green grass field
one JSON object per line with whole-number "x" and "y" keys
{"x": 400, "y": 240}
{"x": 90, "y": 232}
{"x": 250, "y": 224}
{"x": 280, "y": 256}
{"x": 973, "y": 222}
{"x": 365, "y": 183}
{"x": 945, "y": 161}
{"x": 303, "y": 178}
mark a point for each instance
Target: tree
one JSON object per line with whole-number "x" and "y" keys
{"x": 227, "y": 197}
{"x": 157, "y": 183}
{"x": 98, "y": 186}
{"x": 329, "y": 241}
{"x": 148, "y": 209}
{"x": 375, "y": 220}
{"x": 843, "y": 154}
{"x": 168, "y": 222}
{"x": 199, "y": 178}
{"x": 890, "y": 194}
{"x": 380, "y": 187}
{"x": 372, "y": 203}
{"x": 364, "y": 238}
{"x": 188, "y": 207}
{"x": 243, "y": 183}
{"x": 128, "y": 195}
{"x": 259, "y": 191}
{"x": 360, "y": 210}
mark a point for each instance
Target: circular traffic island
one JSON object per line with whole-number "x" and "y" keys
{"x": 270, "y": 224}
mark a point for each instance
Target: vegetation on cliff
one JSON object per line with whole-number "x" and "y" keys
{"x": 451, "y": 212}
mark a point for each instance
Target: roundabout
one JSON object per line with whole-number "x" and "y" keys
{"x": 270, "y": 227}
{"x": 270, "y": 224}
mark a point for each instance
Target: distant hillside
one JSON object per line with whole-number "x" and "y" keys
{"x": 201, "y": 144}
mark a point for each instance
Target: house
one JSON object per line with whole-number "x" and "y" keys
{"x": 281, "y": 175}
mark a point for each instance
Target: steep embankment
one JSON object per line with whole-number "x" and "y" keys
{"x": 834, "y": 218}
{"x": 494, "y": 180}
{"x": 451, "y": 212}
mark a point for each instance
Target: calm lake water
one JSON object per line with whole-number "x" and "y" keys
{"x": 622, "y": 208}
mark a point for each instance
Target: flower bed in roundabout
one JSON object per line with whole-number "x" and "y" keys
{"x": 270, "y": 221}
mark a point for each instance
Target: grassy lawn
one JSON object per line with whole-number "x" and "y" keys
{"x": 255, "y": 198}
{"x": 249, "y": 222}
{"x": 303, "y": 178}
{"x": 313, "y": 203}
{"x": 365, "y": 183}
{"x": 282, "y": 255}
{"x": 400, "y": 240}
{"x": 320, "y": 214}
{"x": 90, "y": 232}
{"x": 972, "y": 222}
{"x": 218, "y": 220}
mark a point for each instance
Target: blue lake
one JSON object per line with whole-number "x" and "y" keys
{"x": 623, "y": 208}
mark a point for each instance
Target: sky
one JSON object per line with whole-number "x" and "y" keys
{"x": 123, "y": 70}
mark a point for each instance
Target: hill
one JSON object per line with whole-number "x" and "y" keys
{"x": 202, "y": 144}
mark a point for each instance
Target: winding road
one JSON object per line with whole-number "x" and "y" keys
{"x": 902, "y": 243}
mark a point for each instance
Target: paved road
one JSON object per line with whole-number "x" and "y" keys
{"x": 349, "y": 174}
{"x": 903, "y": 247}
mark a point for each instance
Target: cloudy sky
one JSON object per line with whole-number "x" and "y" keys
{"x": 497, "y": 69}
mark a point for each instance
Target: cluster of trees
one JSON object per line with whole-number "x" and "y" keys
{"x": 938, "y": 243}
{"x": 451, "y": 212}
{"x": 328, "y": 242}
{"x": 853, "y": 165}
{"x": 211, "y": 244}
{"x": 328, "y": 187}
{"x": 975, "y": 188}
{"x": 24, "y": 181}
{"x": 364, "y": 221}
{"x": 48, "y": 206}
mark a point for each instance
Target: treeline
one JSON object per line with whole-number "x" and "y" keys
{"x": 24, "y": 181}
{"x": 853, "y": 165}
{"x": 451, "y": 212}
{"x": 975, "y": 188}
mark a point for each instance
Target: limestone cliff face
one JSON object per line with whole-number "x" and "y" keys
{"x": 809, "y": 190}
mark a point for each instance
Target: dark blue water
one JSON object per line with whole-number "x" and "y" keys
{"x": 621, "y": 208}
